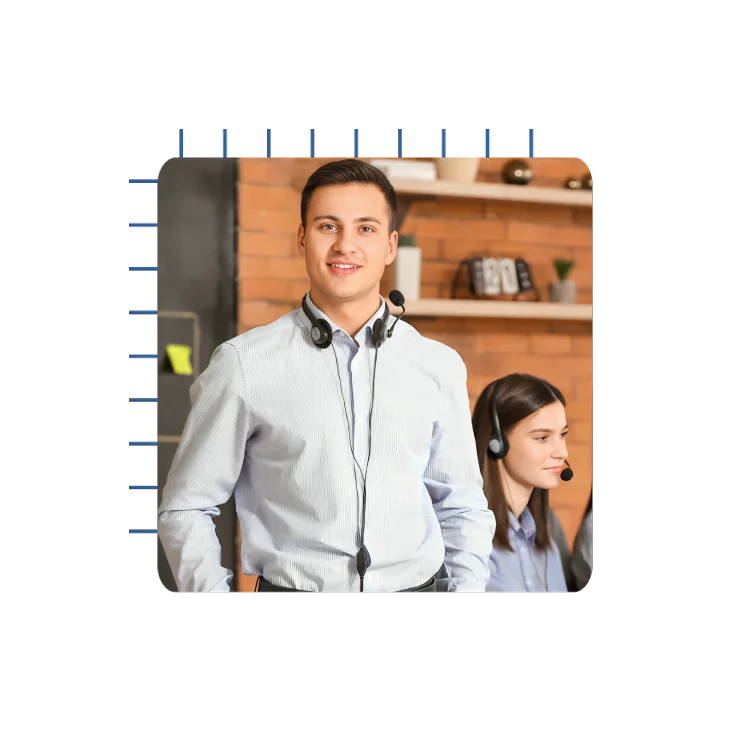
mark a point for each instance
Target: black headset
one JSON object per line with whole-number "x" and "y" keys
{"x": 322, "y": 337}
{"x": 498, "y": 446}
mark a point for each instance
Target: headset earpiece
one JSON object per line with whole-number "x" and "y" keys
{"x": 377, "y": 332}
{"x": 380, "y": 328}
{"x": 498, "y": 446}
{"x": 322, "y": 334}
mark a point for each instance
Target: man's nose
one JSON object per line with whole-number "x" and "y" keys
{"x": 346, "y": 241}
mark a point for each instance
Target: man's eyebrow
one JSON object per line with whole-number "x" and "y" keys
{"x": 356, "y": 221}
{"x": 546, "y": 429}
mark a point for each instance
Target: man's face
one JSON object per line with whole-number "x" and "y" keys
{"x": 346, "y": 245}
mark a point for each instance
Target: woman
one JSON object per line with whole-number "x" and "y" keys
{"x": 520, "y": 428}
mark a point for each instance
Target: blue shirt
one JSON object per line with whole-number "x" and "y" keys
{"x": 526, "y": 568}
{"x": 268, "y": 423}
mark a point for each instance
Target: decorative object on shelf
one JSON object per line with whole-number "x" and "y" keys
{"x": 587, "y": 183}
{"x": 573, "y": 183}
{"x": 563, "y": 290}
{"x": 408, "y": 267}
{"x": 406, "y": 169}
{"x": 457, "y": 170}
{"x": 495, "y": 278}
{"x": 517, "y": 172}
{"x": 525, "y": 279}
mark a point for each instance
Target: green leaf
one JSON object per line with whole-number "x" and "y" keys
{"x": 563, "y": 268}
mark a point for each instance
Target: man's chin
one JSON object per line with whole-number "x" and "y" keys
{"x": 343, "y": 291}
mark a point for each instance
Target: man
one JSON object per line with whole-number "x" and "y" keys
{"x": 345, "y": 435}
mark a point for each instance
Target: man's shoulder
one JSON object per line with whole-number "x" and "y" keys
{"x": 430, "y": 350}
{"x": 271, "y": 336}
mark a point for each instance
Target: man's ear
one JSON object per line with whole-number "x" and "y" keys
{"x": 392, "y": 248}
{"x": 301, "y": 240}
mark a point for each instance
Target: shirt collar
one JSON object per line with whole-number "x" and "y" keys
{"x": 361, "y": 336}
{"x": 524, "y": 525}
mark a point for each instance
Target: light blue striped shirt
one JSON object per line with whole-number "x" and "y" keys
{"x": 268, "y": 423}
{"x": 526, "y": 568}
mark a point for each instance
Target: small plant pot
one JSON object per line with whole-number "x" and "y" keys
{"x": 563, "y": 292}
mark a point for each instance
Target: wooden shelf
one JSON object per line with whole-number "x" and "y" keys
{"x": 475, "y": 308}
{"x": 494, "y": 191}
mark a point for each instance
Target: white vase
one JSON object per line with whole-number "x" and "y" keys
{"x": 408, "y": 271}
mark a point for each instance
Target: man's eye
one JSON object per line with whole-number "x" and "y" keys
{"x": 326, "y": 226}
{"x": 370, "y": 229}
{"x": 564, "y": 435}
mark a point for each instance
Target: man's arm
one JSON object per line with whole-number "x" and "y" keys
{"x": 455, "y": 484}
{"x": 204, "y": 473}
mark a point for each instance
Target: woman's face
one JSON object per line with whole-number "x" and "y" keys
{"x": 537, "y": 449}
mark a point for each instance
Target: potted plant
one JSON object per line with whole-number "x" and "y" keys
{"x": 408, "y": 266}
{"x": 564, "y": 289}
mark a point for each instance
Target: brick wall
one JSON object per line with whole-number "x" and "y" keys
{"x": 272, "y": 281}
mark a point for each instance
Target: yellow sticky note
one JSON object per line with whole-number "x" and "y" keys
{"x": 179, "y": 358}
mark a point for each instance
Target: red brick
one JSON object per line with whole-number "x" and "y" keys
{"x": 271, "y": 268}
{"x": 491, "y": 229}
{"x": 579, "y": 432}
{"x": 254, "y": 170}
{"x": 450, "y": 209}
{"x": 438, "y": 272}
{"x": 550, "y": 344}
{"x": 267, "y": 196}
{"x": 583, "y": 215}
{"x": 268, "y": 220}
{"x": 553, "y": 234}
{"x": 272, "y": 290}
{"x": 262, "y": 313}
{"x": 578, "y": 410}
{"x": 503, "y": 343}
{"x": 582, "y": 388}
{"x": 429, "y": 246}
{"x": 270, "y": 244}
{"x": 438, "y": 228}
{"x": 582, "y": 346}
{"x": 537, "y": 213}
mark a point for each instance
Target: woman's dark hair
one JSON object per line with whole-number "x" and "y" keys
{"x": 348, "y": 172}
{"x": 516, "y": 397}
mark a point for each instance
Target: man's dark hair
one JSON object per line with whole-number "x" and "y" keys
{"x": 348, "y": 172}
